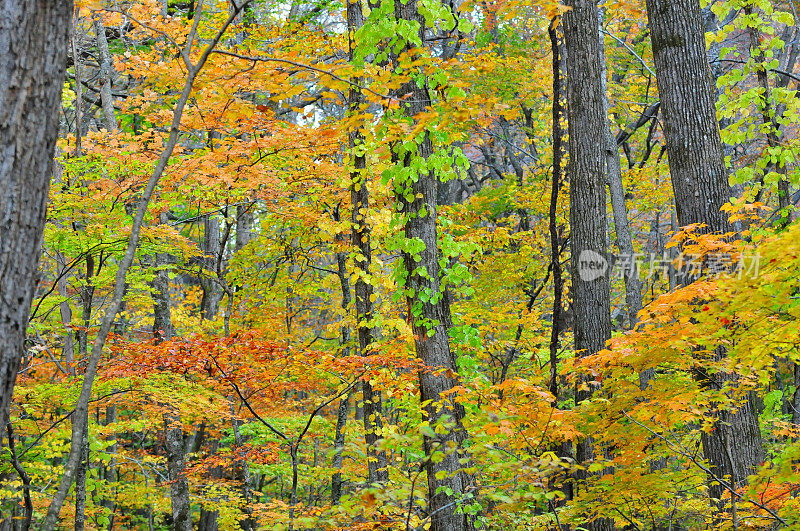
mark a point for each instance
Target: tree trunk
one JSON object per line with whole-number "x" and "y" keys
{"x": 691, "y": 132}
{"x": 700, "y": 184}
{"x": 80, "y": 421}
{"x": 338, "y": 445}
{"x": 80, "y": 486}
{"x": 244, "y": 225}
{"x": 633, "y": 285}
{"x": 176, "y": 464}
{"x": 105, "y": 75}
{"x": 209, "y": 305}
{"x": 208, "y": 521}
{"x": 33, "y": 47}
{"x": 359, "y": 194}
{"x": 555, "y": 189}
{"x": 173, "y": 428}
{"x": 429, "y": 310}
{"x": 588, "y": 144}
{"x": 344, "y": 402}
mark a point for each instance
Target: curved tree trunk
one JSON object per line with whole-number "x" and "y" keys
{"x": 80, "y": 416}
{"x": 33, "y": 47}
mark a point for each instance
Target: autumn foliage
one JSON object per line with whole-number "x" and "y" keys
{"x": 241, "y": 335}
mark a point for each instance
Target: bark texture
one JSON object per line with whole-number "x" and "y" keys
{"x": 244, "y": 225}
{"x": 587, "y": 139}
{"x": 105, "y": 75}
{"x": 80, "y": 486}
{"x": 344, "y": 403}
{"x": 553, "y": 228}
{"x": 700, "y": 184}
{"x": 429, "y": 311}
{"x": 361, "y": 234}
{"x": 633, "y": 285}
{"x": 33, "y": 47}
{"x": 176, "y": 464}
{"x": 691, "y": 132}
{"x": 212, "y": 295}
{"x": 587, "y": 126}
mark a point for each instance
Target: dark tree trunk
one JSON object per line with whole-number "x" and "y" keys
{"x": 33, "y": 47}
{"x": 700, "y": 184}
{"x": 587, "y": 147}
{"x": 208, "y": 521}
{"x": 344, "y": 402}
{"x": 338, "y": 445}
{"x": 555, "y": 236}
{"x": 429, "y": 312}
{"x": 361, "y": 233}
{"x": 691, "y": 132}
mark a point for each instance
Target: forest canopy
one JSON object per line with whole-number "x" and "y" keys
{"x": 400, "y": 264}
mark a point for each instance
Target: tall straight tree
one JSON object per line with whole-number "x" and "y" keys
{"x": 633, "y": 285}
{"x": 428, "y": 304}
{"x": 586, "y": 120}
{"x": 700, "y": 184}
{"x": 361, "y": 237}
{"x": 33, "y": 49}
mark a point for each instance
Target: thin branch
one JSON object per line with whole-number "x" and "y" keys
{"x": 678, "y": 448}
{"x": 26, "y": 479}
{"x": 81, "y": 423}
{"x": 142, "y": 24}
{"x": 327, "y": 402}
{"x": 305, "y": 67}
{"x": 68, "y": 415}
{"x": 631, "y": 50}
{"x": 246, "y": 403}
